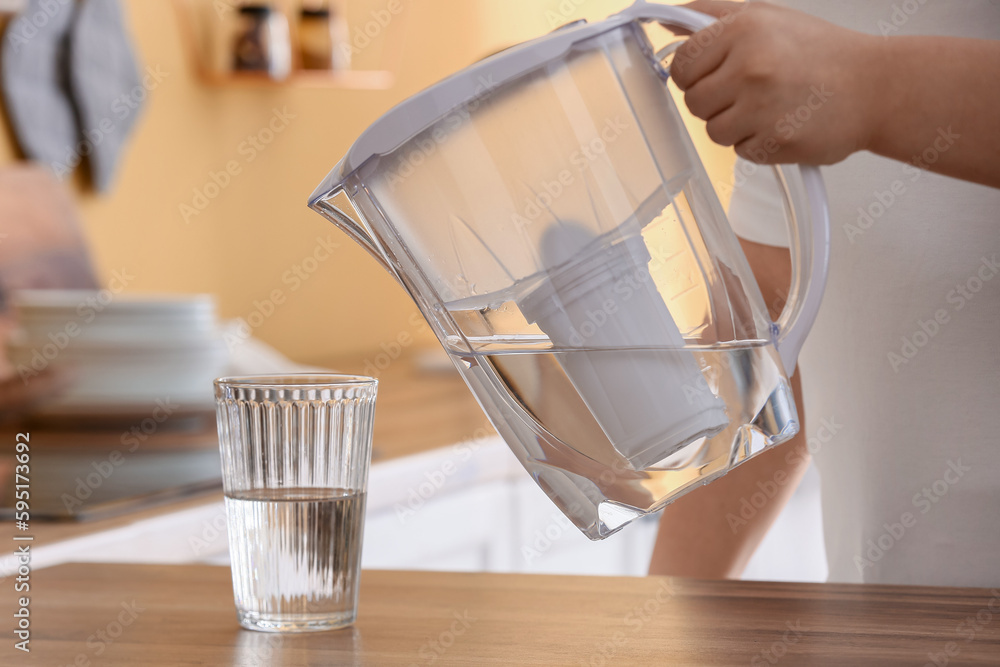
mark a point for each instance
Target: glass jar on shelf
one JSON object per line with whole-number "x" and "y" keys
{"x": 261, "y": 41}
{"x": 324, "y": 39}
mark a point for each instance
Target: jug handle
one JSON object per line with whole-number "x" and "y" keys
{"x": 810, "y": 252}
{"x": 810, "y": 243}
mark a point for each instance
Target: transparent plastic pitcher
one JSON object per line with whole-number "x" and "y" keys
{"x": 547, "y": 211}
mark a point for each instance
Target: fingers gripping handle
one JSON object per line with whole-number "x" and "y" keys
{"x": 809, "y": 220}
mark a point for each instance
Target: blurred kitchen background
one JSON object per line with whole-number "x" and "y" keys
{"x": 208, "y": 196}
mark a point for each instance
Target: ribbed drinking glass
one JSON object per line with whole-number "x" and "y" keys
{"x": 295, "y": 456}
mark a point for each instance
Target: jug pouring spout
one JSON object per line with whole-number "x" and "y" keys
{"x": 333, "y": 203}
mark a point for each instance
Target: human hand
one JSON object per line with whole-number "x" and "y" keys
{"x": 780, "y": 85}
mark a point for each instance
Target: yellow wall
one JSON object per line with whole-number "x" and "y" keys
{"x": 243, "y": 245}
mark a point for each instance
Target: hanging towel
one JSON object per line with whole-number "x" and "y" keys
{"x": 106, "y": 84}
{"x": 35, "y": 86}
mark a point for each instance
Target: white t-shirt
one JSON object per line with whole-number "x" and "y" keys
{"x": 904, "y": 359}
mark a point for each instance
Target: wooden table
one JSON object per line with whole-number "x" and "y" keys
{"x": 183, "y": 615}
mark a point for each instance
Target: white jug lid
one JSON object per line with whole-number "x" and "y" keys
{"x": 416, "y": 114}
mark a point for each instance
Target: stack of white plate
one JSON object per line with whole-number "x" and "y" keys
{"x": 119, "y": 351}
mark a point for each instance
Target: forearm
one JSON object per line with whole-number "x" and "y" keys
{"x": 939, "y": 108}
{"x": 785, "y": 87}
{"x": 712, "y": 532}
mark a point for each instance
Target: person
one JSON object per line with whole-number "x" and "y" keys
{"x": 900, "y": 376}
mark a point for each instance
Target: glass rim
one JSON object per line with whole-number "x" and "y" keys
{"x": 297, "y": 381}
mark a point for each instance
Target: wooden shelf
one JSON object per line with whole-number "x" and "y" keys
{"x": 195, "y": 33}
